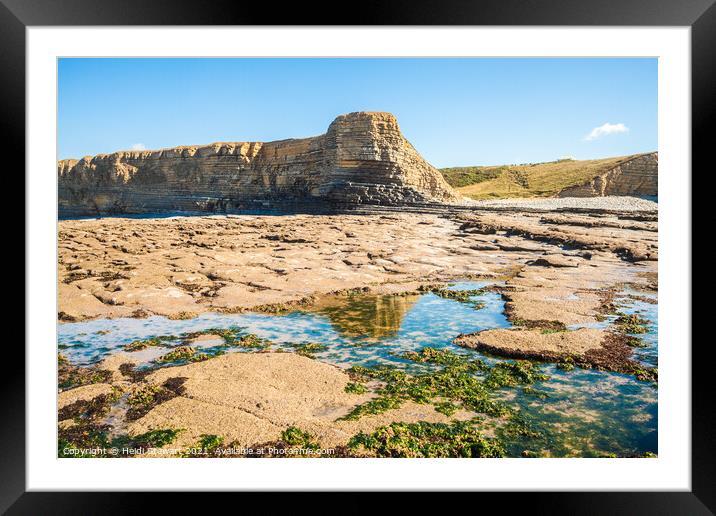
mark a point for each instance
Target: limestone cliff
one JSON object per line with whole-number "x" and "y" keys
{"x": 639, "y": 176}
{"x": 362, "y": 159}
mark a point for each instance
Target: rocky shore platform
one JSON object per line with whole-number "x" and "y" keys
{"x": 174, "y": 266}
{"x": 556, "y": 263}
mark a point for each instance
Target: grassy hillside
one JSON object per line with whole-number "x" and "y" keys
{"x": 526, "y": 180}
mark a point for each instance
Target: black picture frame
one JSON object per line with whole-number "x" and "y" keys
{"x": 700, "y": 15}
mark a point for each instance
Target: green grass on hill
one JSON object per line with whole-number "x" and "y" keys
{"x": 526, "y": 180}
{"x": 464, "y": 176}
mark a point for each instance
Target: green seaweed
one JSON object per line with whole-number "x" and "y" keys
{"x": 464, "y": 382}
{"x": 462, "y": 296}
{"x": 233, "y": 337}
{"x": 83, "y": 441}
{"x": 644, "y": 374}
{"x": 508, "y": 374}
{"x": 423, "y": 439}
{"x": 293, "y": 443}
{"x": 635, "y": 342}
{"x": 355, "y": 388}
{"x": 210, "y": 441}
{"x": 208, "y": 445}
{"x": 251, "y": 341}
{"x": 518, "y": 426}
{"x": 531, "y": 391}
{"x": 177, "y": 354}
{"x": 446, "y": 407}
{"x": 159, "y": 341}
{"x": 70, "y": 376}
{"x": 631, "y": 323}
{"x": 308, "y": 349}
{"x": 200, "y": 357}
{"x": 445, "y": 357}
{"x": 294, "y": 436}
{"x": 92, "y": 441}
{"x": 145, "y": 397}
{"x": 567, "y": 364}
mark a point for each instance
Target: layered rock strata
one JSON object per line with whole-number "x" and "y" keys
{"x": 362, "y": 159}
{"x": 638, "y": 176}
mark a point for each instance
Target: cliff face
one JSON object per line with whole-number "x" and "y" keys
{"x": 362, "y": 159}
{"x": 638, "y": 176}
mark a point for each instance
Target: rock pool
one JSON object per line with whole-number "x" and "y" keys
{"x": 578, "y": 413}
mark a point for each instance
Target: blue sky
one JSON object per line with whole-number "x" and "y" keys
{"x": 480, "y": 111}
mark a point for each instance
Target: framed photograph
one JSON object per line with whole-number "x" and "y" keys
{"x": 426, "y": 251}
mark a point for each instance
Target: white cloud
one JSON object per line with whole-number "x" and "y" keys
{"x": 138, "y": 146}
{"x": 606, "y": 129}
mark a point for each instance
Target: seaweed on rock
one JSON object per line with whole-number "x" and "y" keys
{"x": 464, "y": 382}
{"x": 423, "y": 439}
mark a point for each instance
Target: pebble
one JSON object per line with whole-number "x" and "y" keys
{"x": 615, "y": 203}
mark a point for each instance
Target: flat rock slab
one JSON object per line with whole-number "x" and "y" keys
{"x": 585, "y": 347}
{"x": 559, "y": 304}
{"x": 250, "y": 398}
{"x": 534, "y": 343}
